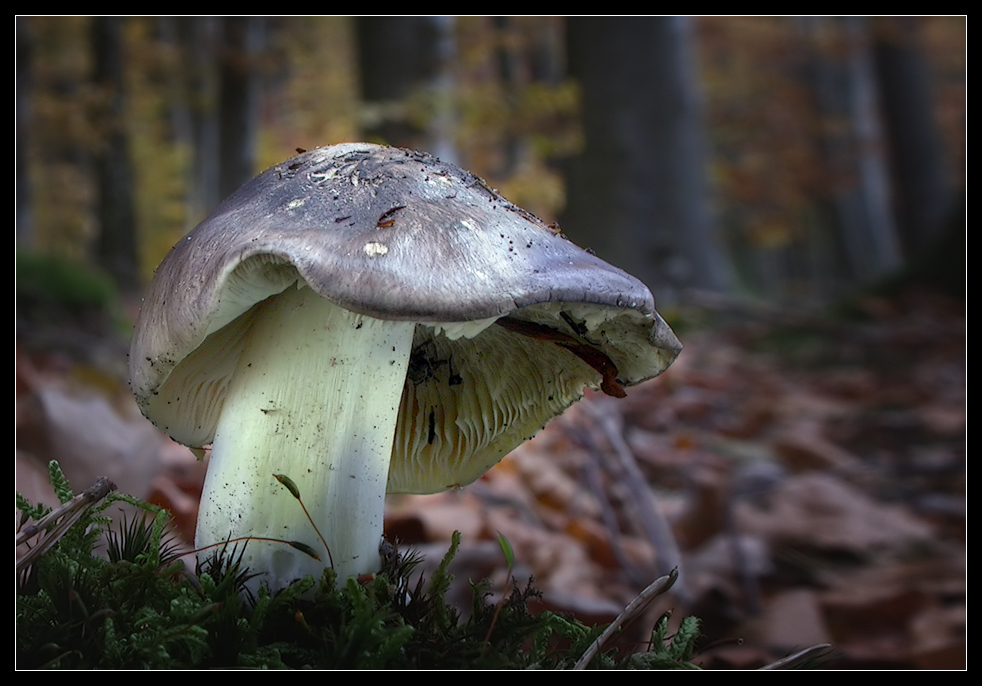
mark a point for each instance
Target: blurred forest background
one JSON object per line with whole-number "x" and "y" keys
{"x": 752, "y": 171}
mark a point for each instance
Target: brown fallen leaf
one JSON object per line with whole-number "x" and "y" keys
{"x": 819, "y": 511}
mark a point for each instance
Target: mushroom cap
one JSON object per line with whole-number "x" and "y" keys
{"x": 395, "y": 235}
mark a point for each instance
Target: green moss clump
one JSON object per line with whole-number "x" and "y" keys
{"x": 139, "y": 608}
{"x": 59, "y": 294}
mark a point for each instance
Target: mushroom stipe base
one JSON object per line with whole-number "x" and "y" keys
{"x": 315, "y": 395}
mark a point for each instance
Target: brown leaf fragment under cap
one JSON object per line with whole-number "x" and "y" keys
{"x": 593, "y": 357}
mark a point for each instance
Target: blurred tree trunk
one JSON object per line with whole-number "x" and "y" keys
{"x": 507, "y": 63}
{"x": 407, "y": 83}
{"x": 201, "y": 36}
{"x": 923, "y": 192}
{"x": 238, "y": 101}
{"x": 843, "y": 80}
{"x": 638, "y": 192}
{"x": 24, "y": 82}
{"x": 176, "y": 34}
{"x": 115, "y": 245}
{"x": 527, "y": 57}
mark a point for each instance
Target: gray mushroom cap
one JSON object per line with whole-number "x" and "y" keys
{"x": 394, "y": 235}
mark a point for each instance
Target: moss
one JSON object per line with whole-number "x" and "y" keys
{"x": 139, "y": 608}
{"x": 54, "y": 292}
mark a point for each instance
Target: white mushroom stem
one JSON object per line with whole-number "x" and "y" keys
{"x": 315, "y": 396}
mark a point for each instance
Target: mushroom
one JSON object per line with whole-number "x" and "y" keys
{"x": 365, "y": 319}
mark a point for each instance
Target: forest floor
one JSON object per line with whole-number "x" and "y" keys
{"x": 807, "y": 476}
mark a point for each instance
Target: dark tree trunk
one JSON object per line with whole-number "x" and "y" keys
{"x": 843, "y": 81}
{"x": 638, "y": 193}
{"x": 203, "y": 36}
{"x": 25, "y": 217}
{"x": 115, "y": 246}
{"x": 507, "y": 62}
{"x": 403, "y": 57}
{"x": 238, "y": 100}
{"x": 922, "y": 192}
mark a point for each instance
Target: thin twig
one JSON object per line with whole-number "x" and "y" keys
{"x": 650, "y": 517}
{"x": 60, "y": 520}
{"x": 592, "y": 473}
{"x": 816, "y": 652}
{"x": 634, "y": 607}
